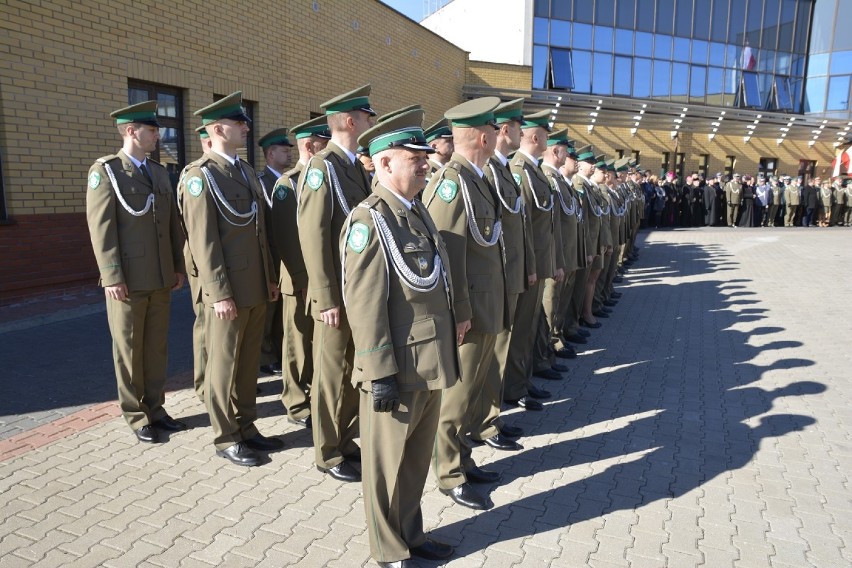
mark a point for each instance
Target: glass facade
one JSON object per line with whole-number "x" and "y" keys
{"x": 830, "y": 63}
{"x": 747, "y": 53}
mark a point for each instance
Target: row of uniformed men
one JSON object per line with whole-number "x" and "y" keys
{"x": 458, "y": 276}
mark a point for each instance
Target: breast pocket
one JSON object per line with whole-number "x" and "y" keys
{"x": 418, "y": 255}
{"x": 416, "y": 351}
{"x": 132, "y": 250}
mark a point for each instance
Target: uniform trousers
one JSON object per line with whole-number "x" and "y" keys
{"x": 273, "y": 328}
{"x": 297, "y": 358}
{"x": 452, "y": 447}
{"x": 334, "y": 401}
{"x": 575, "y": 305}
{"x": 773, "y": 213}
{"x": 230, "y": 378}
{"x": 733, "y": 211}
{"x": 790, "y": 217}
{"x": 519, "y": 363}
{"x": 199, "y": 346}
{"x": 139, "y": 327}
{"x": 397, "y": 447}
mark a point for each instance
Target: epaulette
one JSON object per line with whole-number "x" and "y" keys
{"x": 454, "y": 165}
{"x": 370, "y": 202}
{"x": 105, "y": 159}
{"x": 153, "y": 161}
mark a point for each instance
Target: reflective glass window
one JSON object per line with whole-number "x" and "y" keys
{"x": 623, "y": 42}
{"x": 540, "y": 30}
{"x": 754, "y": 19}
{"x": 560, "y": 9}
{"x": 561, "y": 72}
{"x": 135, "y": 96}
{"x": 665, "y": 16}
{"x": 699, "y": 52}
{"x": 815, "y": 94}
{"x": 838, "y": 93}
{"x": 166, "y": 104}
{"x": 680, "y": 79}
{"x": 751, "y": 90}
{"x": 645, "y": 15}
{"x": 770, "y": 24}
{"x": 715, "y": 82}
{"x": 731, "y": 59}
{"x": 732, "y": 81}
{"x": 583, "y": 74}
{"x": 783, "y": 101}
{"x": 583, "y": 12}
{"x": 623, "y": 76}
{"x": 796, "y": 94}
{"x": 681, "y": 49}
{"x": 644, "y": 44}
{"x": 582, "y": 36}
{"x": 560, "y": 33}
{"x": 662, "y": 47}
{"x": 604, "y": 12}
{"x": 662, "y": 76}
{"x": 683, "y": 18}
{"x": 841, "y": 62}
{"x": 701, "y": 20}
{"x": 785, "y": 26}
{"x": 603, "y": 39}
{"x": 542, "y": 8}
{"x": 765, "y": 59}
{"x": 783, "y": 63}
{"x": 697, "y": 82}
{"x": 818, "y": 64}
{"x": 602, "y": 74}
{"x": 823, "y": 26}
{"x": 736, "y": 22}
{"x": 539, "y": 67}
{"x": 748, "y": 58}
{"x": 842, "y": 36}
{"x": 625, "y": 10}
{"x": 641, "y": 78}
{"x": 798, "y": 67}
{"x": 719, "y": 23}
{"x": 717, "y": 54}
{"x": 803, "y": 20}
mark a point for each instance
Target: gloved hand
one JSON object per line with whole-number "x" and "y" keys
{"x": 385, "y": 395}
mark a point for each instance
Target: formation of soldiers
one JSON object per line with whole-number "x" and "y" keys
{"x": 409, "y": 302}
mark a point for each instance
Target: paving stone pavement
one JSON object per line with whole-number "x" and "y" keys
{"x": 706, "y": 424}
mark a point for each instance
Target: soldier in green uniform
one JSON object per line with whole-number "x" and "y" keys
{"x": 518, "y": 388}
{"x": 571, "y": 330}
{"x": 224, "y": 218}
{"x": 590, "y": 174}
{"x": 333, "y": 182}
{"x": 488, "y": 426}
{"x": 733, "y": 197}
{"x": 276, "y": 147}
{"x": 467, "y": 212}
{"x": 296, "y": 352}
{"x": 396, "y": 288}
{"x": 440, "y": 138}
{"x": 136, "y": 237}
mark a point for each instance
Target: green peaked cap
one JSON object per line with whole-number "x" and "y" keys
{"x": 403, "y": 130}
{"x": 277, "y": 136}
{"x": 314, "y": 127}
{"x": 356, "y": 99}
{"x": 510, "y": 110}
{"x": 539, "y": 119}
{"x": 476, "y": 112}
{"x": 228, "y": 107}
{"x": 440, "y": 129}
{"x": 143, "y": 113}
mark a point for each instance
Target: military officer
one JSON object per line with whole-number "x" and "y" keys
{"x": 404, "y": 334}
{"x": 793, "y": 198}
{"x": 136, "y": 237}
{"x": 847, "y": 212}
{"x": 224, "y": 218}
{"x": 488, "y": 426}
{"x": 839, "y": 206}
{"x": 440, "y": 138}
{"x": 591, "y": 173}
{"x": 276, "y": 148}
{"x": 733, "y": 196}
{"x": 467, "y": 212}
{"x": 333, "y": 182}
{"x": 775, "y": 198}
{"x": 296, "y": 351}
{"x": 538, "y": 197}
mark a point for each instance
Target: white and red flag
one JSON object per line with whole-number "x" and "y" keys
{"x": 842, "y": 164}
{"x": 749, "y": 58}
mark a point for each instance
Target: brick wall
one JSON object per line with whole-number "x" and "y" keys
{"x": 499, "y": 75}
{"x": 66, "y": 66}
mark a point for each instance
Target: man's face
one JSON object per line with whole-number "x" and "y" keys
{"x": 817, "y": 181}
{"x": 513, "y": 133}
{"x": 598, "y": 175}
{"x": 146, "y": 137}
{"x": 363, "y": 121}
{"x": 406, "y": 171}
{"x": 443, "y": 149}
{"x": 586, "y": 169}
{"x": 367, "y": 162}
{"x": 570, "y": 166}
{"x": 278, "y": 157}
{"x": 235, "y": 132}
{"x": 560, "y": 153}
{"x": 490, "y": 138}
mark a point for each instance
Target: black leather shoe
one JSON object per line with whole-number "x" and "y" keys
{"x": 616, "y": 295}
{"x": 500, "y": 442}
{"x": 271, "y": 369}
{"x": 306, "y": 421}
{"x": 591, "y": 325}
{"x": 342, "y": 472}
{"x": 511, "y": 431}
{"x": 575, "y": 338}
{"x": 147, "y": 434}
{"x": 560, "y": 368}
{"x": 432, "y": 550}
{"x": 567, "y": 352}
{"x": 527, "y": 403}
{"x": 584, "y": 332}
{"x": 262, "y": 443}
{"x": 407, "y": 563}
{"x": 169, "y": 424}
{"x": 548, "y": 374}
{"x": 610, "y": 303}
{"x": 600, "y": 314}
{"x": 478, "y": 475}
{"x": 536, "y": 392}
{"x": 240, "y": 454}
{"x": 466, "y": 496}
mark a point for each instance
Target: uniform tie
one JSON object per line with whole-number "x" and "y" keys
{"x": 239, "y": 169}
{"x": 143, "y": 167}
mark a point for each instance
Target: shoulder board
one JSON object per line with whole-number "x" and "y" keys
{"x": 153, "y": 161}
{"x": 371, "y": 202}
{"x": 452, "y": 165}
{"x": 518, "y": 161}
{"x": 106, "y": 159}
{"x": 291, "y": 172}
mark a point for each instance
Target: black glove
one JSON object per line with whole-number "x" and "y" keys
{"x": 385, "y": 395}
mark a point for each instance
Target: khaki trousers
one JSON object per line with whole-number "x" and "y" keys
{"x": 273, "y": 330}
{"x": 140, "y": 328}
{"x": 199, "y": 347}
{"x": 790, "y": 217}
{"x": 297, "y": 357}
{"x": 733, "y": 210}
{"x": 575, "y": 305}
{"x": 519, "y": 363}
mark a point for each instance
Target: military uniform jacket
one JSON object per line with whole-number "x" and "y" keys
{"x": 826, "y": 196}
{"x": 479, "y": 281}
{"x": 224, "y": 216}
{"x": 540, "y": 208}
{"x": 285, "y": 232}
{"x": 600, "y": 203}
{"x": 134, "y": 226}
{"x": 517, "y": 233}
{"x": 328, "y": 189}
{"x": 733, "y": 193}
{"x": 569, "y": 249}
{"x": 584, "y": 188}
{"x": 398, "y": 295}
{"x": 776, "y": 195}
{"x": 267, "y": 184}
{"x": 191, "y": 268}
{"x": 792, "y": 195}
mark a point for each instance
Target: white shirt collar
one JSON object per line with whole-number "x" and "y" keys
{"x": 275, "y": 173}
{"x": 405, "y": 202}
{"x": 349, "y": 154}
{"x": 533, "y": 160}
{"x": 503, "y": 159}
{"x": 137, "y": 163}
{"x": 231, "y": 159}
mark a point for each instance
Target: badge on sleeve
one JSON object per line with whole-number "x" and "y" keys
{"x": 195, "y": 186}
{"x": 359, "y": 236}
{"x": 447, "y": 190}
{"x": 314, "y": 178}
{"x": 94, "y": 180}
{"x": 281, "y": 192}
{"x": 517, "y": 179}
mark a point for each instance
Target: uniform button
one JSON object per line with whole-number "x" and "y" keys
{"x": 411, "y": 338}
